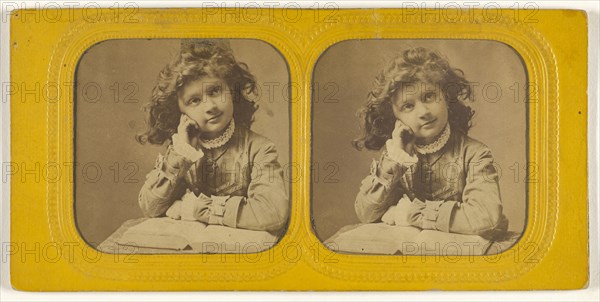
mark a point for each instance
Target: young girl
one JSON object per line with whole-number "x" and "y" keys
{"x": 431, "y": 174}
{"x": 215, "y": 170}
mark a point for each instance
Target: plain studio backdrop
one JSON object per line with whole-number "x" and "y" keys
{"x": 114, "y": 80}
{"x": 343, "y": 77}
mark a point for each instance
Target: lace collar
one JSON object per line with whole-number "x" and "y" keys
{"x": 437, "y": 145}
{"x": 221, "y": 140}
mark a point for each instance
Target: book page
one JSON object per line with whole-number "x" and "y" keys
{"x": 373, "y": 238}
{"x": 222, "y": 239}
{"x": 161, "y": 232}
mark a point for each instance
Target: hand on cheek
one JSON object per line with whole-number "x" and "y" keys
{"x": 401, "y": 147}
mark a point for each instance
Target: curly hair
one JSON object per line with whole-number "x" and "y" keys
{"x": 196, "y": 59}
{"x": 411, "y": 66}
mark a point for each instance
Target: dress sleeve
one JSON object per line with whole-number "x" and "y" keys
{"x": 382, "y": 188}
{"x": 479, "y": 213}
{"x": 164, "y": 184}
{"x": 266, "y": 207}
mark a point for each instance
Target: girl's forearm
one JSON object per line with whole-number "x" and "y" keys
{"x": 449, "y": 216}
{"x": 379, "y": 190}
{"x": 164, "y": 184}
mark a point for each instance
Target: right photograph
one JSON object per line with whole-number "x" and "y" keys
{"x": 420, "y": 147}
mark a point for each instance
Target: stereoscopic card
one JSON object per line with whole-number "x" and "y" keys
{"x": 248, "y": 149}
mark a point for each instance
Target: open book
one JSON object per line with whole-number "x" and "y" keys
{"x": 381, "y": 238}
{"x": 167, "y": 233}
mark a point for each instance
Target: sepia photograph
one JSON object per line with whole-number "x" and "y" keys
{"x": 180, "y": 146}
{"x": 419, "y": 147}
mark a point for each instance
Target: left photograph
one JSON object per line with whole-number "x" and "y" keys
{"x": 181, "y": 146}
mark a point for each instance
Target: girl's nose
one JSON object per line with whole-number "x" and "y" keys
{"x": 423, "y": 110}
{"x": 210, "y": 105}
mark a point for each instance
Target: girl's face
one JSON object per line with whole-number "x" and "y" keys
{"x": 208, "y": 101}
{"x": 422, "y": 107}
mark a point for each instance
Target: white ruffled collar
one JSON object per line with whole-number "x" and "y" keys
{"x": 221, "y": 140}
{"x": 437, "y": 145}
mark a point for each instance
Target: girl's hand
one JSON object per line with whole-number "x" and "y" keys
{"x": 188, "y": 129}
{"x": 186, "y": 139}
{"x": 401, "y": 147}
{"x": 194, "y": 207}
{"x": 403, "y": 211}
{"x": 399, "y": 214}
{"x": 403, "y": 138}
{"x": 390, "y": 216}
{"x": 175, "y": 210}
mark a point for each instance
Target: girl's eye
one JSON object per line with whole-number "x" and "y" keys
{"x": 214, "y": 91}
{"x": 195, "y": 101}
{"x": 407, "y": 107}
{"x": 429, "y": 97}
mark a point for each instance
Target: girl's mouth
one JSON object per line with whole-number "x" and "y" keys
{"x": 215, "y": 118}
{"x": 429, "y": 123}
